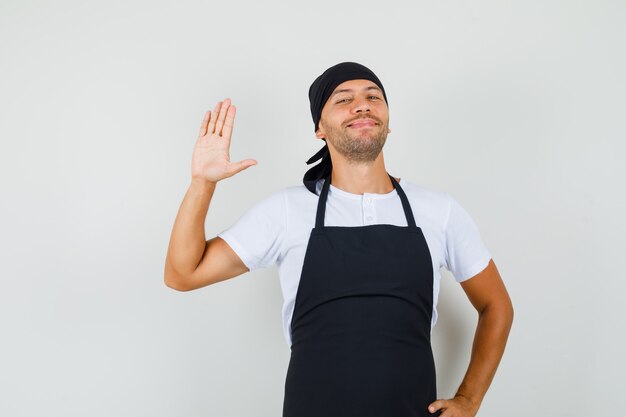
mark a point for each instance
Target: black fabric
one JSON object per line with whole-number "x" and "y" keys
{"x": 321, "y": 170}
{"x": 319, "y": 92}
{"x": 361, "y": 322}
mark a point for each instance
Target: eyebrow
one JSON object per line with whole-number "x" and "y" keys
{"x": 348, "y": 90}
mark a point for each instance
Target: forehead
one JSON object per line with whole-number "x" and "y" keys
{"x": 355, "y": 85}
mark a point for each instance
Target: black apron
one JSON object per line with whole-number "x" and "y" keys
{"x": 361, "y": 322}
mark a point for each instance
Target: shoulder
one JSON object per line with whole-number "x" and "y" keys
{"x": 272, "y": 205}
{"x": 283, "y": 203}
{"x": 299, "y": 193}
{"x": 273, "y": 200}
{"x": 433, "y": 208}
{"x": 426, "y": 197}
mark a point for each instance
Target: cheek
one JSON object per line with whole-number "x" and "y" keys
{"x": 334, "y": 121}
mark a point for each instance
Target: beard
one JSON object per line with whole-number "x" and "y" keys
{"x": 358, "y": 145}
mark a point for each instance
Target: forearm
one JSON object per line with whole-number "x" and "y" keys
{"x": 188, "y": 240}
{"x": 492, "y": 331}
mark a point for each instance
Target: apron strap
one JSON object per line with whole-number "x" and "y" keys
{"x": 410, "y": 220}
{"x": 321, "y": 203}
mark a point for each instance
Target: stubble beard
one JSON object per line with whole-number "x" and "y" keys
{"x": 362, "y": 146}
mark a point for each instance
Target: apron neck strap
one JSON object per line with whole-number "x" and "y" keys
{"x": 321, "y": 203}
{"x": 410, "y": 220}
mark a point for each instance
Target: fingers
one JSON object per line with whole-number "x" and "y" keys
{"x": 241, "y": 165}
{"x": 222, "y": 116}
{"x": 205, "y": 122}
{"x": 229, "y": 122}
{"x": 220, "y": 121}
{"x": 437, "y": 405}
{"x": 213, "y": 120}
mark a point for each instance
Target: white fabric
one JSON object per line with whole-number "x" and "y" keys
{"x": 276, "y": 230}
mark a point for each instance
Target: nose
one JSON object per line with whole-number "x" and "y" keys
{"x": 361, "y": 105}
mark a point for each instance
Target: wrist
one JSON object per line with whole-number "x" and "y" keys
{"x": 203, "y": 183}
{"x": 473, "y": 402}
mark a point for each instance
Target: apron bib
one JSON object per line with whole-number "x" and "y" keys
{"x": 361, "y": 322}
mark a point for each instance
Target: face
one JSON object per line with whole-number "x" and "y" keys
{"x": 355, "y": 120}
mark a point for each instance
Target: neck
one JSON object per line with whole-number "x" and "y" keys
{"x": 362, "y": 177}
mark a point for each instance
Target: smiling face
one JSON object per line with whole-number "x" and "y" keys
{"x": 355, "y": 120}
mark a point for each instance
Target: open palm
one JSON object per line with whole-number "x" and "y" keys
{"x": 211, "y": 154}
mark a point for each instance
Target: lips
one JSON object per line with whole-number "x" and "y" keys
{"x": 362, "y": 123}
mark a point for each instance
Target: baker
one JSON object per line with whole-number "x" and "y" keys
{"x": 358, "y": 252}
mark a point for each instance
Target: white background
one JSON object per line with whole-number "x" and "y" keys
{"x": 516, "y": 108}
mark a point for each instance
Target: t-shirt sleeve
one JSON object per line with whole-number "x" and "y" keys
{"x": 466, "y": 253}
{"x": 257, "y": 236}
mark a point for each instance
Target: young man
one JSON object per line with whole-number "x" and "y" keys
{"x": 359, "y": 253}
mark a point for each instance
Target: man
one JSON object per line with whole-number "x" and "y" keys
{"x": 359, "y": 253}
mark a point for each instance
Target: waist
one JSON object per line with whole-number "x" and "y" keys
{"x": 367, "y": 322}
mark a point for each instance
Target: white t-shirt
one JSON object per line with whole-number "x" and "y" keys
{"x": 276, "y": 230}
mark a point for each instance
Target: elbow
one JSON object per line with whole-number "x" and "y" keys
{"x": 502, "y": 311}
{"x": 175, "y": 281}
{"x": 506, "y": 310}
{"x": 174, "y": 284}
{"x": 507, "y": 313}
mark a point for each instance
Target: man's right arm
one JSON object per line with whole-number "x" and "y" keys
{"x": 192, "y": 261}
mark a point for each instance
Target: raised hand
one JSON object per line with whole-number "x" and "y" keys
{"x": 211, "y": 156}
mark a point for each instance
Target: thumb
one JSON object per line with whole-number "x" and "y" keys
{"x": 241, "y": 165}
{"x": 437, "y": 405}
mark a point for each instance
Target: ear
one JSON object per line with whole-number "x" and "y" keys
{"x": 319, "y": 133}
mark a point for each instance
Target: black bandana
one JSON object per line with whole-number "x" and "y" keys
{"x": 319, "y": 92}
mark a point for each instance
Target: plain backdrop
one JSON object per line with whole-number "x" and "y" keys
{"x": 516, "y": 108}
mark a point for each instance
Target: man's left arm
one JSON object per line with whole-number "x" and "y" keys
{"x": 488, "y": 295}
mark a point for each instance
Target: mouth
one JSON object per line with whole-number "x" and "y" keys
{"x": 362, "y": 123}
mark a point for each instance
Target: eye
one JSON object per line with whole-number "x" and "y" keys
{"x": 376, "y": 97}
{"x": 342, "y": 100}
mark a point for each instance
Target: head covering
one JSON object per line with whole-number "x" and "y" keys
{"x": 319, "y": 92}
